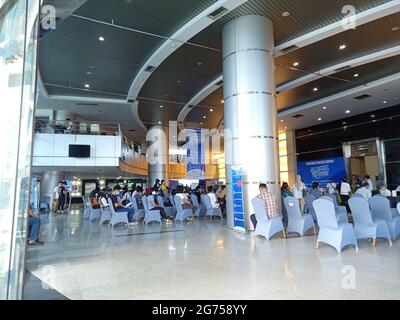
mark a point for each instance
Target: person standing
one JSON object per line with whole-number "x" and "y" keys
{"x": 369, "y": 181}
{"x": 331, "y": 187}
{"x": 299, "y": 192}
{"x": 345, "y": 191}
{"x": 59, "y": 194}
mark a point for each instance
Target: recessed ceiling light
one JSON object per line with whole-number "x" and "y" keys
{"x": 204, "y": 117}
{"x": 295, "y": 64}
{"x": 373, "y": 120}
{"x": 356, "y": 75}
{"x": 344, "y": 122}
{"x": 201, "y": 123}
{"x": 89, "y": 73}
{"x": 159, "y": 122}
{"x": 324, "y": 108}
{"x": 161, "y": 107}
{"x": 285, "y": 14}
{"x": 222, "y": 101}
{"x": 199, "y": 63}
{"x": 101, "y": 38}
{"x": 282, "y": 120}
{"x": 347, "y": 111}
{"x": 179, "y": 81}
{"x": 396, "y": 28}
{"x": 87, "y": 85}
{"x": 211, "y": 110}
{"x": 315, "y": 89}
{"x": 384, "y": 102}
{"x": 319, "y": 119}
{"x": 372, "y": 116}
{"x": 285, "y": 128}
{"x": 342, "y": 47}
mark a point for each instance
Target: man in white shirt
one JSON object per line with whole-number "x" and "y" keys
{"x": 213, "y": 197}
{"x": 385, "y": 192}
{"x": 369, "y": 181}
{"x": 331, "y": 186}
{"x": 364, "y": 191}
{"x": 344, "y": 193}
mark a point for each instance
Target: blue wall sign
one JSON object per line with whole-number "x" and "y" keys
{"x": 237, "y": 198}
{"x": 321, "y": 170}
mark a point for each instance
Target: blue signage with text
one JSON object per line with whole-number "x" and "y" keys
{"x": 321, "y": 170}
{"x": 237, "y": 195}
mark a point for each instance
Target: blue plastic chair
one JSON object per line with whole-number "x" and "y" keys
{"x": 117, "y": 217}
{"x": 211, "y": 211}
{"x": 338, "y": 207}
{"x": 139, "y": 213}
{"x": 150, "y": 215}
{"x": 266, "y": 227}
{"x": 105, "y": 214}
{"x": 200, "y": 208}
{"x": 169, "y": 211}
{"x": 181, "y": 213}
{"x": 365, "y": 226}
{"x": 309, "y": 199}
{"x": 340, "y": 215}
{"x": 297, "y": 222}
{"x": 331, "y": 232}
{"x": 380, "y": 208}
{"x": 87, "y": 209}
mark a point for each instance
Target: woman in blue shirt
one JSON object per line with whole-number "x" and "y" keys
{"x": 285, "y": 190}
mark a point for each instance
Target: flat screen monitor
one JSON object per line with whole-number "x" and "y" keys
{"x": 79, "y": 151}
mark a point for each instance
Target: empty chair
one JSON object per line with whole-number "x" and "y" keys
{"x": 309, "y": 199}
{"x": 45, "y": 204}
{"x": 105, "y": 214}
{"x": 117, "y": 217}
{"x": 200, "y": 208}
{"x": 380, "y": 208}
{"x": 211, "y": 211}
{"x": 139, "y": 213}
{"x": 150, "y": 215}
{"x": 266, "y": 227}
{"x": 340, "y": 215}
{"x": 331, "y": 231}
{"x": 365, "y": 227}
{"x": 297, "y": 222}
{"x": 94, "y": 128}
{"x": 181, "y": 213}
{"x": 171, "y": 199}
{"x": 169, "y": 211}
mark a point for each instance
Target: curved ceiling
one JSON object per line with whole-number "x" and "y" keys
{"x": 133, "y": 30}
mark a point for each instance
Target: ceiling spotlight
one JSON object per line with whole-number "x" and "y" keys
{"x": 199, "y": 63}
{"x": 285, "y": 128}
{"x": 161, "y": 107}
{"x": 319, "y": 119}
{"x": 285, "y": 14}
{"x": 324, "y": 108}
{"x": 204, "y": 117}
{"x": 356, "y": 75}
{"x": 87, "y": 85}
{"x": 384, "y": 102}
{"x": 315, "y": 89}
{"x": 373, "y": 120}
{"x": 179, "y": 81}
{"x": 295, "y": 64}
{"x": 101, "y": 38}
{"x": 89, "y": 73}
{"x": 344, "y": 122}
{"x": 347, "y": 111}
{"x": 201, "y": 123}
{"x": 211, "y": 110}
{"x": 372, "y": 116}
{"x": 282, "y": 120}
{"x": 159, "y": 122}
{"x": 222, "y": 101}
{"x": 396, "y": 28}
{"x": 342, "y": 47}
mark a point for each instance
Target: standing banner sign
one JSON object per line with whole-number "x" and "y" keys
{"x": 196, "y": 167}
{"x": 237, "y": 195}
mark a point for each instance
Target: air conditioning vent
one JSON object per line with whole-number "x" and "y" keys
{"x": 87, "y": 104}
{"x": 190, "y": 107}
{"x": 289, "y": 49}
{"x": 219, "y": 83}
{"x": 362, "y": 97}
{"x": 132, "y": 130}
{"x": 218, "y": 13}
{"x": 297, "y": 116}
{"x": 342, "y": 68}
{"x": 150, "y": 69}
{"x": 131, "y": 100}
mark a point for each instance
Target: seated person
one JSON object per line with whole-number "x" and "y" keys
{"x": 94, "y": 197}
{"x": 138, "y": 194}
{"x": 221, "y": 195}
{"x": 197, "y": 192}
{"x": 153, "y": 205}
{"x": 364, "y": 190}
{"x": 315, "y": 190}
{"x": 34, "y": 228}
{"x": 269, "y": 202}
{"x": 213, "y": 198}
{"x": 186, "y": 203}
{"x": 103, "y": 197}
{"x": 285, "y": 190}
{"x": 118, "y": 207}
{"x": 385, "y": 192}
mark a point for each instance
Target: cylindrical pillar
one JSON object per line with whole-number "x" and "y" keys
{"x": 250, "y": 115}
{"x": 158, "y": 154}
{"x": 48, "y": 182}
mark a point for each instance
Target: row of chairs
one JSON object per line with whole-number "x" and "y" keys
{"x": 372, "y": 219}
{"x": 108, "y": 214}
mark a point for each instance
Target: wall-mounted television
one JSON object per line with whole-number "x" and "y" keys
{"x": 79, "y": 151}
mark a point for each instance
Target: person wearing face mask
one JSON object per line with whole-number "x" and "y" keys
{"x": 118, "y": 207}
{"x": 153, "y": 204}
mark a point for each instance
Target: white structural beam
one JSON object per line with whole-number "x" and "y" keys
{"x": 376, "y": 56}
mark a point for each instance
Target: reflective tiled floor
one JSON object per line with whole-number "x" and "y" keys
{"x": 205, "y": 260}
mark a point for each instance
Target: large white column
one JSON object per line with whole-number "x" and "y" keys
{"x": 158, "y": 154}
{"x": 251, "y": 135}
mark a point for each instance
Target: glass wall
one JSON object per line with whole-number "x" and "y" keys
{"x": 18, "y": 57}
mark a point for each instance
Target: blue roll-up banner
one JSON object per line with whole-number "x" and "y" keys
{"x": 321, "y": 170}
{"x": 237, "y": 198}
{"x": 196, "y": 165}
